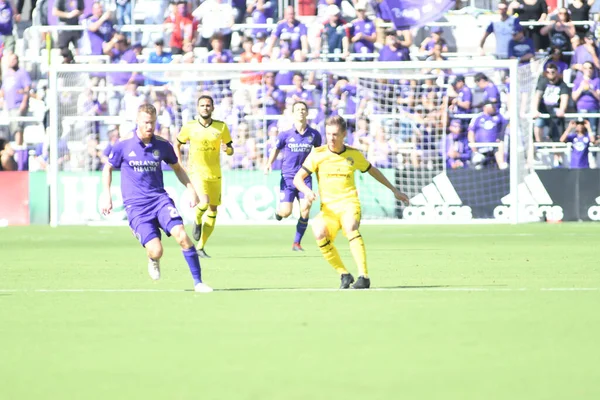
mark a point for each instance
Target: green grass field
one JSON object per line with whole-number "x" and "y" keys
{"x": 461, "y": 312}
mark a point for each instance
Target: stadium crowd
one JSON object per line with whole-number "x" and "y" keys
{"x": 442, "y": 114}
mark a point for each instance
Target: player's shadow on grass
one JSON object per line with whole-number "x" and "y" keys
{"x": 297, "y": 255}
{"x": 332, "y": 289}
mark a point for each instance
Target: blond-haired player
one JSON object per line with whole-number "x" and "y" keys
{"x": 207, "y": 137}
{"x": 334, "y": 165}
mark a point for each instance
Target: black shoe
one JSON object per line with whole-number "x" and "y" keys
{"x": 202, "y": 254}
{"x": 347, "y": 280}
{"x": 197, "y": 231}
{"x": 278, "y": 217}
{"x": 362, "y": 283}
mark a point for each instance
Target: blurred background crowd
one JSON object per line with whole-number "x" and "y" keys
{"x": 442, "y": 118}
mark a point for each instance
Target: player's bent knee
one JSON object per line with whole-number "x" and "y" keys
{"x": 154, "y": 249}
{"x": 319, "y": 230}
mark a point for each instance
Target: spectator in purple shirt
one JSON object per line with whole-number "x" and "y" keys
{"x": 298, "y": 93}
{"x": 461, "y": 104}
{"x": 586, "y": 93}
{"x": 14, "y": 92}
{"x": 270, "y": 99}
{"x": 98, "y": 30}
{"x": 292, "y": 30}
{"x": 434, "y": 37}
{"x": 455, "y": 146}
{"x": 68, "y": 13}
{"x": 393, "y": 51}
{"x": 488, "y": 127}
{"x": 579, "y": 134}
{"x": 218, "y": 54}
{"x": 148, "y": 205}
{"x": 260, "y": 10}
{"x": 490, "y": 91}
{"x": 556, "y": 58}
{"x": 6, "y": 26}
{"x": 521, "y": 47}
{"x": 121, "y": 53}
{"x": 363, "y": 33}
{"x": 588, "y": 51}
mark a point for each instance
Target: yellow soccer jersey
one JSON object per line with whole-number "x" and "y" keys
{"x": 205, "y": 147}
{"x": 335, "y": 173}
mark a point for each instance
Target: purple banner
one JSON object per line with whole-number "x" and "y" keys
{"x": 414, "y": 13}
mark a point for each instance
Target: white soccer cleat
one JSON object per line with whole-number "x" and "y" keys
{"x": 154, "y": 269}
{"x": 202, "y": 288}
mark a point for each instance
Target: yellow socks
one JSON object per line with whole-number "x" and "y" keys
{"x": 357, "y": 248}
{"x": 207, "y": 228}
{"x": 200, "y": 210}
{"x": 331, "y": 255}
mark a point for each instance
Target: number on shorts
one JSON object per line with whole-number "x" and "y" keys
{"x": 173, "y": 212}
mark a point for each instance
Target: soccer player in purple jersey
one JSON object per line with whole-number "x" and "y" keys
{"x": 296, "y": 143}
{"x": 149, "y": 208}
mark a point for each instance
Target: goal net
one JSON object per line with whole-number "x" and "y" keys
{"x": 405, "y": 118}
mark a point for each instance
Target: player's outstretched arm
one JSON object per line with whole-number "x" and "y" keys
{"x": 302, "y": 186}
{"x": 271, "y": 160}
{"x": 379, "y": 177}
{"x": 185, "y": 180}
{"x": 106, "y": 198}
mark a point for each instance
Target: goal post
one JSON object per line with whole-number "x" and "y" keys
{"x": 398, "y": 113}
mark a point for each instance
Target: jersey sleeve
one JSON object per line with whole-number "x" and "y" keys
{"x": 311, "y": 163}
{"x": 361, "y": 163}
{"x": 115, "y": 158}
{"x": 318, "y": 141}
{"x": 280, "y": 141}
{"x": 169, "y": 156}
{"x": 490, "y": 28}
{"x": 226, "y": 135}
{"x": 184, "y": 134}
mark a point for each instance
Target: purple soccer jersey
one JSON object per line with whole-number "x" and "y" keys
{"x": 491, "y": 93}
{"x": 13, "y": 84}
{"x": 366, "y": 27}
{"x": 458, "y": 143}
{"x": 399, "y": 54}
{"x": 464, "y": 95}
{"x": 127, "y": 57}
{"x": 579, "y": 150}
{"x": 273, "y": 99}
{"x": 147, "y": 204}
{"x": 488, "y": 128}
{"x": 587, "y": 101}
{"x": 295, "y": 148}
{"x": 292, "y": 33}
{"x": 91, "y": 42}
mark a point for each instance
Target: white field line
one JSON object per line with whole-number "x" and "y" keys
{"x": 393, "y": 289}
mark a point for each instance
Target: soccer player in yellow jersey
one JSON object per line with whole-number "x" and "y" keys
{"x": 334, "y": 165}
{"x": 207, "y": 137}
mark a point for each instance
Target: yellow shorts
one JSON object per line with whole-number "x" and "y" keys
{"x": 332, "y": 217}
{"x": 209, "y": 187}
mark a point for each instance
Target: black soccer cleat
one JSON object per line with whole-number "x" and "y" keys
{"x": 362, "y": 283}
{"x": 346, "y": 281}
{"x": 202, "y": 253}
{"x": 197, "y": 231}
{"x": 278, "y": 217}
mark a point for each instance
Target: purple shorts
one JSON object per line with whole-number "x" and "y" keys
{"x": 146, "y": 222}
{"x": 288, "y": 192}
